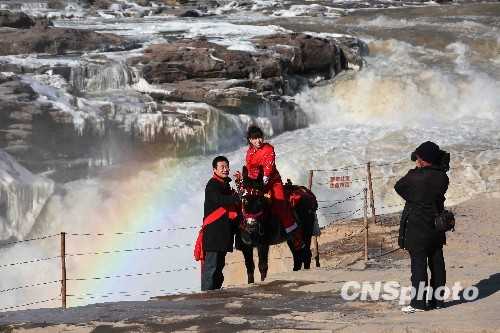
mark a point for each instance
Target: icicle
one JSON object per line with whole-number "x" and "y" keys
{"x": 22, "y": 197}
{"x": 101, "y": 75}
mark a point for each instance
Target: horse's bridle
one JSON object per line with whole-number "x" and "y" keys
{"x": 252, "y": 220}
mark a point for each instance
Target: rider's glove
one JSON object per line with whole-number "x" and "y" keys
{"x": 265, "y": 180}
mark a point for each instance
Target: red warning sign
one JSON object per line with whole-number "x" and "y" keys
{"x": 340, "y": 182}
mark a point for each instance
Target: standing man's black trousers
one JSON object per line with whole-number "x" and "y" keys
{"x": 419, "y": 261}
{"x": 211, "y": 270}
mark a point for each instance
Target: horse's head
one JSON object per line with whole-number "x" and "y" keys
{"x": 253, "y": 208}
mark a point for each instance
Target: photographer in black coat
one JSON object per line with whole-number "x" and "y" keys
{"x": 423, "y": 188}
{"x": 219, "y": 224}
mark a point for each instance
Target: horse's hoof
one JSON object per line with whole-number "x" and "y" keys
{"x": 263, "y": 276}
{"x": 250, "y": 279}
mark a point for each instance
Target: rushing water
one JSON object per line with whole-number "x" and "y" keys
{"x": 432, "y": 74}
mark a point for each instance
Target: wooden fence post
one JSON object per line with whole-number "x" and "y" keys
{"x": 63, "y": 269}
{"x": 315, "y": 238}
{"x": 365, "y": 215}
{"x": 370, "y": 188}
{"x": 310, "y": 179}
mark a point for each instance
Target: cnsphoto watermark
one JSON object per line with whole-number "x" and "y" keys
{"x": 392, "y": 291}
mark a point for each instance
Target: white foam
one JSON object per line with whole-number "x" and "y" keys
{"x": 388, "y": 22}
{"x": 398, "y": 89}
{"x": 308, "y": 10}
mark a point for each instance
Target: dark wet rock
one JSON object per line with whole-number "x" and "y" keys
{"x": 44, "y": 39}
{"x": 304, "y": 54}
{"x": 56, "y": 4}
{"x": 192, "y": 13}
{"x": 144, "y": 3}
{"x": 219, "y": 93}
{"x": 187, "y": 59}
{"x": 354, "y": 49}
{"x": 100, "y": 4}
{"x": 16, "y": 20}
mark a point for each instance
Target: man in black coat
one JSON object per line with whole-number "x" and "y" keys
{"x": 220, "y": 220}
{"x": 423, "y": 188}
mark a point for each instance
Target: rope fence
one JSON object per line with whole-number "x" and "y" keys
{"x": 134, "y": 232}
{"x": 29, "y": 240}
{"x": 14, "y": 307}
{"x": 382, "y": 240}
{"x": 360, "y": 206}
{"x": 183, "y": 269}
{"x": 173, "y": 246}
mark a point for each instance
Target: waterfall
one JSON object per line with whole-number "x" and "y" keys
{"x": 98, "y": 76}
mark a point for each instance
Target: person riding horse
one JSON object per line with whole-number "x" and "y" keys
{"x": 258, "y": 228}
{"x": 260, "y": 156}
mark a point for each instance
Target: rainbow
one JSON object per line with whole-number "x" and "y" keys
{"x": 151, "y": 200}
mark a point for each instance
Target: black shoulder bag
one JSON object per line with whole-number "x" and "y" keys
{"x": 445, "y": 221}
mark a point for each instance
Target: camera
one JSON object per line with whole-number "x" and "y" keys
{"x": 443, "y": 163}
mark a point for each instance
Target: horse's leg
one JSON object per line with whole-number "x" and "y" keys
{"x": 297, "y": 260}
{"x": 316, "y": 250}
{"x": 263, "y": 251}
{"x": 307, "y": 252}
{"x": 249, "y": 264}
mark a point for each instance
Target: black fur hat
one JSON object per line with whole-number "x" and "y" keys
{"x": 429, "y": 152}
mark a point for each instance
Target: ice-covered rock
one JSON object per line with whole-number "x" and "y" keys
{"x": 184, "y": 97}
{"x": 22, "y": 198}
{"x": 277, "y": 58}
{"x": 101, "y": 74}
{"x": 45, "y": 39}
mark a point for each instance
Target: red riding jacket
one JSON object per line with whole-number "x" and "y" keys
{"x": 263, "y": 157}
